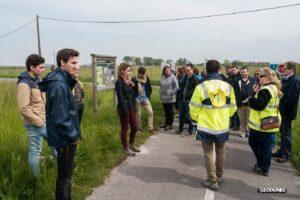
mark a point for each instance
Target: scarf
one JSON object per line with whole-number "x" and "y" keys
{"x": 127, "y": 81}
{"x": 141, "y": 80}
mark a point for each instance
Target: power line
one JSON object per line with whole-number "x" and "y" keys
{"x": 171, "y": 19}
{"x": 17, "y": 29}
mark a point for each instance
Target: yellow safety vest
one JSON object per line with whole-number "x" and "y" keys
{"x": 209, "y": 108}
{"x": 271, "y": 110}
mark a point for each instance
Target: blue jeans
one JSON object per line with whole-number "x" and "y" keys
{"x": 35, "y": 142}
{"x": 261, "y": 145}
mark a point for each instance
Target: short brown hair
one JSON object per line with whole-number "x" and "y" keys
{"x": 190, "y": 65}
{"x": 34, "y": 60}
{"x": 291, "y": 65}
{"x": 142, "y": 70}
{"x": 244, "y": 67}
{"x": 65, "y": 55}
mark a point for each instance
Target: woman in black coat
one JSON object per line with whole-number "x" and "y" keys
{"x": 126, "y": 108}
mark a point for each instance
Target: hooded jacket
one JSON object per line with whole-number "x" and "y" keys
{"x": 61, "y": 113}
{"x": 30, "y": 100}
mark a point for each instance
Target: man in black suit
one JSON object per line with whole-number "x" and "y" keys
{"x": 288, "y": 109}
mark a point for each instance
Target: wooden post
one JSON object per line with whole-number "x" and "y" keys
{"x": 114, "y": 90}
{"x": 38, "y": 35}
{"x": 95, "y": 92}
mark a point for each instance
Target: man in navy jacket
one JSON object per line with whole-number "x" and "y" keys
{"x": 288, "y": 109}
{"x": 61, "y": 117}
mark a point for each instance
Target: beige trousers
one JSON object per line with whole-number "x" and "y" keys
{"x": 214, "y": 168}
{"x": 148, "y": 107}
{"x": 243, "y": 113}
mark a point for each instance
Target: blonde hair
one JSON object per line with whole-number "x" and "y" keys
{"x": 271, "y": 75}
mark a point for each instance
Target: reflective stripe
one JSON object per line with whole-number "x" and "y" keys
{"x": 272, "y": 106}
{"x": 199, "y": 128}
{"x": 254, "y": 124}
{"x": 214, "y": 107}
{"x": 275, "y": 96}
{"x": 204, "y": 90}
{"x": 198, "y": 105}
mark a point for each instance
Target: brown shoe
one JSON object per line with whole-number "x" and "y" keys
{"x": 129, "y": 153}
{"x": 152, "y": 131}
{"x": 134, "y": 148}
{"x": 281, "y": 160}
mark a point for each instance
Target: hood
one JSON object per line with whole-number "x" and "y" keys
{"x": 57, "y": 75}
{"x": 26, "y": 76}
{"x": 214, "y": 76}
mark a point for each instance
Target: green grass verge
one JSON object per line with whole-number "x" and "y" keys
{"x": 296, "y": 143}
{"x": 98, "y": 153}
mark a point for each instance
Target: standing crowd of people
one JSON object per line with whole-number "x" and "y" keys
{"x": 210, "y": 103}
{"x": 258, "y": 106}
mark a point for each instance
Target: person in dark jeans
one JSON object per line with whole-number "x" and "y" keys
{"x": 61, "y": 117}
{"x": 185, "y": 94}
{"x": 180, "y": 77}
{"x": 167, "y": 90}
{"x": 263, "y": 105}
{"x": 233, "y": 78}
{"x": 288, "y": 108}
{"x": 126, "y": 108}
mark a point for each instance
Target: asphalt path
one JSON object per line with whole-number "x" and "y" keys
{"x": 171, "y": 167}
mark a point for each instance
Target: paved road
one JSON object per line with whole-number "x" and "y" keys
{"x": 8, "y": 80}
{"x": 172, "y": 167}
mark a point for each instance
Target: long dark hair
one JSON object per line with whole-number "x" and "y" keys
{"x": 164, "y": 70}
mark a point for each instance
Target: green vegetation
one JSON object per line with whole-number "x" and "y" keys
{"x": 296, "y": 143}
{"x": 99, "y": 151}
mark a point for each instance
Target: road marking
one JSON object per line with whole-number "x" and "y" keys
{"x": 209, "y": 195}
{"x": 144, "y": 150}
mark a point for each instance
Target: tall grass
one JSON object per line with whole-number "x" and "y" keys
{"x": 98, "y": 152}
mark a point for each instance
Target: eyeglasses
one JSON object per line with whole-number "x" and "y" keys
{"x": 260, "y": 76}
{"x": 257, "y": 74}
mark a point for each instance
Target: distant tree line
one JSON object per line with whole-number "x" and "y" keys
{"x": 149, "y": 61}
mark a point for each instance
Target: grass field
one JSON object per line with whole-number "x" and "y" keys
{"x": 98, "y": 152}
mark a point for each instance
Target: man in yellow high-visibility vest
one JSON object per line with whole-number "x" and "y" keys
{"x": 211, "y": 106}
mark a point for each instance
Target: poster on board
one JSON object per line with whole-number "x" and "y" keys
{"x": 105, "y": 71}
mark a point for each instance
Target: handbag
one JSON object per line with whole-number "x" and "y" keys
{"x": 271, "y": 122}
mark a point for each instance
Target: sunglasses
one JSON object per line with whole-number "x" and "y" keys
{"x": 260, "y": 76}
{"x": 256, "y": 73}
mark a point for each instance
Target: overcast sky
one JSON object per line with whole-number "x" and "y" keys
{"x": 272, "y": 36}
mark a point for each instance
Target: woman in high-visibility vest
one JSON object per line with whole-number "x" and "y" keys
{"x": 263, "y": 115}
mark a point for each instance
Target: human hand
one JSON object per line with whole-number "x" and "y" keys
{"x": 255, "y": 88}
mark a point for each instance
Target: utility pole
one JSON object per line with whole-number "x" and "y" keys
{"x": 38, "y": 34}
{"x": 54, "y": 58}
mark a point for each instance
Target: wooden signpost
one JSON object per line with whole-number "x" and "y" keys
{"x": 104, "y": 75}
